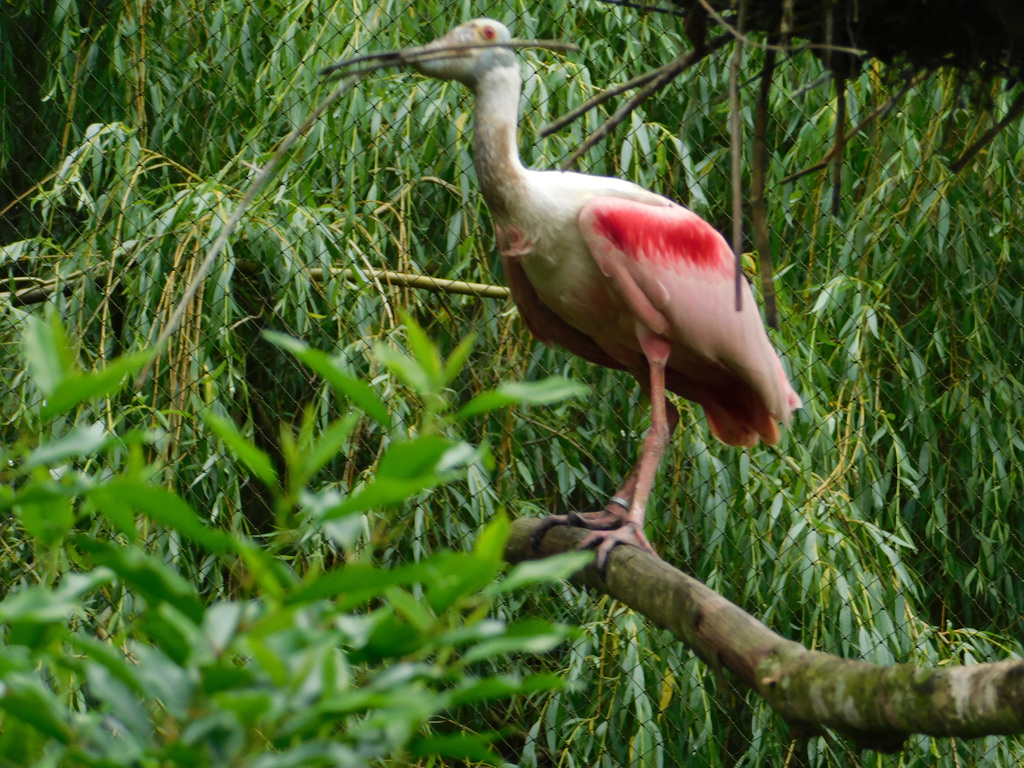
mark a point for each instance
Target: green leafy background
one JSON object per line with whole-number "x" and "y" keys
{"x": 321, "y": 592}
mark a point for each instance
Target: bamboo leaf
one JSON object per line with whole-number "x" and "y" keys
{"x": 330, "y": 369}
{"x": 45, "y": 349}
{"x": 257, "y": 460}
{"x": 544, "y": 392}
{"x": 76, "y": 388}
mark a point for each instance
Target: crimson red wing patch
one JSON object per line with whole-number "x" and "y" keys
{"x": 673, "y": 236}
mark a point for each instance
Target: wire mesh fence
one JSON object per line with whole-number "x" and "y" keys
{"x": 887, "y": 524}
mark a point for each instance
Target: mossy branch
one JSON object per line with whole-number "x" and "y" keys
{"x": 876, "y": 706}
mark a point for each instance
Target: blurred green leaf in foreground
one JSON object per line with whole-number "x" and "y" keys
{"x": 112, "y": 657}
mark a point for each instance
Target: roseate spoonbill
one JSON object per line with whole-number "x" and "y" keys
{"x": 620, "y": 276}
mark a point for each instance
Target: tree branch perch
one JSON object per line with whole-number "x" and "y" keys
{"x": 876, "y": 706}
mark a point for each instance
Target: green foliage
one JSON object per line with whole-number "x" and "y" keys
{"x": 887, "y": 524}
{"x": 113, "y": 656}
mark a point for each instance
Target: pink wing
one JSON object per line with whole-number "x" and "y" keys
{"x": 674, "y": 273}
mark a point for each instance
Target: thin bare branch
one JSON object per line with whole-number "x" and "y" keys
{"x": 410, "y": 280}
{"x": 255, "y": 186}
{"x": 40, "y": 291}
{"x": 758, "y": 175}
{"x": 684, "y": 60}
{"x": 34, "y": 188}
{"x": 820, "y": 80}
{"x": 560, "y": 122}
{"x": 34, "y": 290}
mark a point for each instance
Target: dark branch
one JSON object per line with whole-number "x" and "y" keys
{"x": 827, "y": 48}
{"x": 1016, "y": 110}
{"x": 571, "y": 116}
{"x": 882, "y": 110}
{"x": 736, "y": 154}
{"x": 840, "y": 143}
{"x": 655, "y": 82}
{"x": 646, "y": 8}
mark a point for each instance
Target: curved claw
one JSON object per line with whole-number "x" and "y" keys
{"x": 630, "y": 533}
{"x": 546, "y": 525}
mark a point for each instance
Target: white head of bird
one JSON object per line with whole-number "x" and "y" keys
{"x": 476, "y": 48}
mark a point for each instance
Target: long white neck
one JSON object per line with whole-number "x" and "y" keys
{"x": 495, "y": 141}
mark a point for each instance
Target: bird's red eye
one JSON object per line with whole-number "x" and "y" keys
{"x": 488, "y": 33}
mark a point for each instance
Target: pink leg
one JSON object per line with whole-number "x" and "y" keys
{"x": 621, "y": 521}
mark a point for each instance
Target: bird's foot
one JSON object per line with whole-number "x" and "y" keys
{"x": 603, "y": 542}
{"x": 609, "y": 527}
{"x": 612, "y": 516}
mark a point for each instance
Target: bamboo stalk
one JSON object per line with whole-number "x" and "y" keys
{"x": 41, "y": 290}
{"x": 411, "y": 280}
